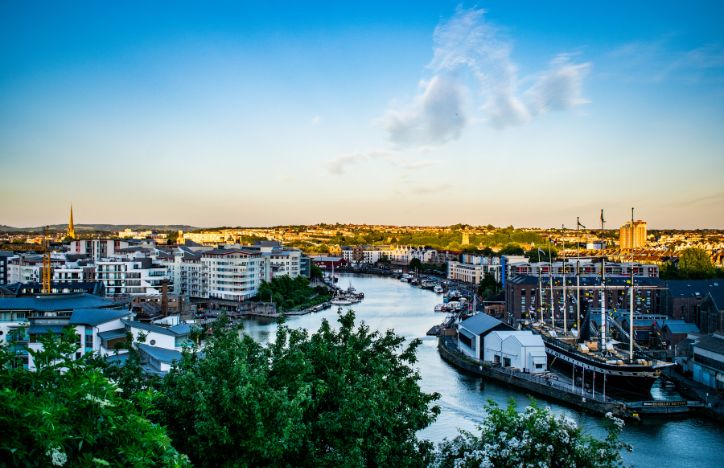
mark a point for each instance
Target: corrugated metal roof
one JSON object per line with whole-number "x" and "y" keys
{"x": 96, "y": 316}
{"x": 481, "y": 323}
{"x": 176, "y": 330}
{"x": 56, "y": 302}
{"x": 161, "y": 354}
{"x": 41, "y": 329}
{"x": 112, "y": 334}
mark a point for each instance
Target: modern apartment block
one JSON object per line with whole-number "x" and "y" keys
{"x": 135, "y": 276}
{"x": 234, "y": 274}
{"x": 632, "y": 235}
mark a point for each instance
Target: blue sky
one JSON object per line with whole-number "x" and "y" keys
{"x": 502, "y": 112}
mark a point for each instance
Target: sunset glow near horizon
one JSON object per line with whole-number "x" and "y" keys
{"x": 503, "y": 113}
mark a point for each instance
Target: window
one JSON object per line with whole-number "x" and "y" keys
{"x": 506, "y": 362}
{"x": 152, "y": 342}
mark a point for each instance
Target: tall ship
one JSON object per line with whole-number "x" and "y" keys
{"x": 589, "y": 354}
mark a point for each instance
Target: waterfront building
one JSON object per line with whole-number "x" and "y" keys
{"x": 674, "y": 332}
{"x": 683, "y": 298}
{"x": 234, "y": 274}
{"x": 707, "y": 364}
{"x": 519, "y": 349}
{"x": 472, "y": 332}
{"x": 138, "y": 275}
{"x": 710, "y": 316}
{"x": 326, "y": 262}
{"x": 472, "y": 268}
{"x": 632, "y": 235}
{"x": 524, "y": 298}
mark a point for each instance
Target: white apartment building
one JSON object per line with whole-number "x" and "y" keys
{"x": 22, "y": 271}
{"x": 404, "y": 254}
{"x": 234, "y": 274}
{"x": 135, "y": 276}
{"x": 188, "y": 273}
{"x": 473, "y": 268}
{"x": 98, "y": 248}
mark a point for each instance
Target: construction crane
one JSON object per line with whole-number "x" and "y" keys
{"x": 46, "y": 263}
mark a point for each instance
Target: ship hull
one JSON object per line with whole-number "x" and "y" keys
{"x": 630, "y": 379}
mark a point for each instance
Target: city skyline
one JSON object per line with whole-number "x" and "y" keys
{"x": 504, "y": 113}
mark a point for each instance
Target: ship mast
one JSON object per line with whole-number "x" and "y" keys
{"x": 578, "y": 276}
{"x": 565, "y": 311}
{"x": 631, "y": 296}
{"x": 603, "y": 305}
{"x": 550, "y": 282}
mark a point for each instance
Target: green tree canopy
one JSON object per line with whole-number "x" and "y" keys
{"x": 415, "y": 264}
{"x": 68, "y": 413}
{"x": 346, "y": 397}
{"x": 534, "y": 255}
{"x": 695, "y": 263}
{"x": 532, "y": 438}
{"x": 488, "y": 286}
{"x": 511, "y": 249}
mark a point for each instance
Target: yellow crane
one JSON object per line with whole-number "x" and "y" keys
{"x": 47, "y": 274}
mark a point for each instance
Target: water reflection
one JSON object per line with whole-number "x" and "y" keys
{"x": 391, "y": 304}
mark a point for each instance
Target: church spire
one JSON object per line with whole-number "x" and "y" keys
{"x": 71, "y": 228}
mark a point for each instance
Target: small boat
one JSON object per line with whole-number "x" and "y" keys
{"x": 437, "y": 289}
{"x": 340, "y": 301}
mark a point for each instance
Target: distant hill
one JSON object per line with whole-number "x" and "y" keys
{"x": 102, "y": 227}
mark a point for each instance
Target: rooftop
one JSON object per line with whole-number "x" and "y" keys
{"x": 57, "y": 302}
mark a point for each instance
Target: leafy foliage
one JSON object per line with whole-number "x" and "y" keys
{"x": 489, "y": 286}
{"x": 68, "y": 413}
{"x": 695, "y": 263}
{"x": 338, "y": 397}
{"x": 532, "y": 438}
{"x": 291, "y": 294}
{"x": 535, "y": 255}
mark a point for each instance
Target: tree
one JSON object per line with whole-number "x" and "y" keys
{"x": 316, "y": 272}
{"x": 535, "y": 255}
{"x": 488, "y": 286}
{"x": 68, "y": 413}
{"x": 338, "y": 397}
{"x": 695, "y": 263}
{"x": 415, "y": 264}
{"x": 532, "y": 438}
{"x": 511, "y": 249}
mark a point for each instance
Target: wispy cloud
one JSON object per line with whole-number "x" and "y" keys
{"x": 430, "y": 189}
{"x": 659, "y": 60}
{"x": 559, "y": 87}
{"x": 436, "y": 115}
{"x": 342, "y": 163}
{"x": 472, "y": 67}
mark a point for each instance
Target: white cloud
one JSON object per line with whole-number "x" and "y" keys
{"x": 472, "y": 62}
{"x": 437, "y": 114}
{"x": 340, "y": 164}
{"x": 559, "y": 87}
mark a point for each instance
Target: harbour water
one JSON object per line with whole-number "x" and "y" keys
{"x": 391, "y": 304}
